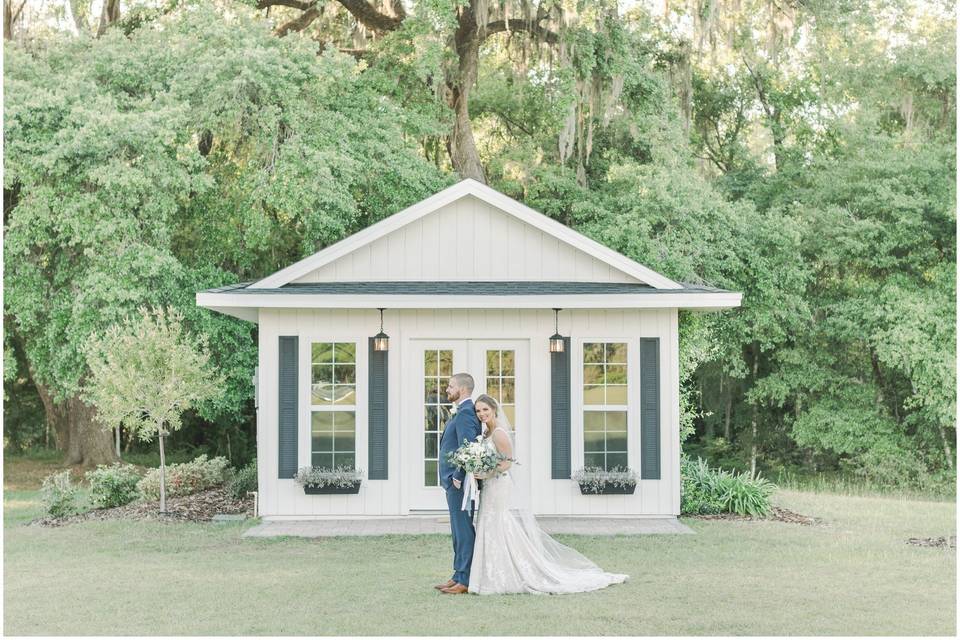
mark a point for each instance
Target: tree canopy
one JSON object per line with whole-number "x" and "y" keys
{"x": 800, "y": 152}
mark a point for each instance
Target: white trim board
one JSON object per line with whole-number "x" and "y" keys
{"x": 468, "y": 187}
{"x": 231, "y": 303}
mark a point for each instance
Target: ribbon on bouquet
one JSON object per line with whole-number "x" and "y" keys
{"x": 471, "y": 491}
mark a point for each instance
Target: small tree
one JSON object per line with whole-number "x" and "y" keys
{"x": 145, "y": 372}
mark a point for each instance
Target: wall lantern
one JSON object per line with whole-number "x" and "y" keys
{"x": 381, "y": 341}
{"x": 556, "y": 340}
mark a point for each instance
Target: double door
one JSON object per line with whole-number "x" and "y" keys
{"x": 500, "y": 369}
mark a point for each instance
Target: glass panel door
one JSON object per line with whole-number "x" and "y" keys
{"x": 503, "y": 375}
{"x": 437, "y": 369}
{"x": 434, "y": 361}
{"x": 499, "y": 369}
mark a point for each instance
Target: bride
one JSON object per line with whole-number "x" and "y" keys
{"x": 512, "y": 554}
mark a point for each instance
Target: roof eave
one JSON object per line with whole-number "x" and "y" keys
{"x": 665, "y": 300}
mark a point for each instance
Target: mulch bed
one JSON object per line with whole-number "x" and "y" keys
{"x": 776, "y": 513}
{"x": 942, "y": 541}
{"x": 199, "y": 507}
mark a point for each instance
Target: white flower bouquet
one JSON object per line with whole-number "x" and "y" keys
{"x": 475, "y": 457}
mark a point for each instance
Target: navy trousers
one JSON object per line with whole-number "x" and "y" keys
{"x": 461, "y": 524}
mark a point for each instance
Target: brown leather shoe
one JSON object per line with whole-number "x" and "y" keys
{"x": 456, "y": 588}
{"x": 445, "y": 585}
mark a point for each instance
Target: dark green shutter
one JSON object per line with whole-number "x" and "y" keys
{"x": 287, "y": 402}
{"x": 650, "y": 408}
{"x": 560, "y": 413}
{"x": 377, "y": 414}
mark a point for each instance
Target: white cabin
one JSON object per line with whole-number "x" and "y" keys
{"x": 469, "y": 280}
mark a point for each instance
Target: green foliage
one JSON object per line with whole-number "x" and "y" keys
{"x": 244, "y": 480}
{"x": 196, "y": 151}
{"x": 706, "y": 490}
{"x": 114, "y": 485}
{"x": 145, "y": 372}
{"x": 185, "y": 478}
{"x": 59, "y": 496}
{"x": 803, "y": 154}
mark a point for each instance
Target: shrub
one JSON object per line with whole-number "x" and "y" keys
{"x": 185, "y": 478}
{"x": 113, "y": 486}
{"x": 60, "y": 497}
{"x": 707, "y": 490}
{"x": 244, "y": 480}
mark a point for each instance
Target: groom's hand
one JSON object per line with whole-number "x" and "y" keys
{"x": 456, "y": 483}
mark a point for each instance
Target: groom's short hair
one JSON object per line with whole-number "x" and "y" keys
{"x": 463, "y": 380}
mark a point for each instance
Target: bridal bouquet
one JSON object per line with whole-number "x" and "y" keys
{"x": 476, "y": 457}
{"x": 479, "y": 456}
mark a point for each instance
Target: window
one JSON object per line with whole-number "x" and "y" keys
{"x": 437, "y": 369}
{"x": 502, "y": 380}
{"x": 333, "y": 404}
{"x": 605, "y": 404}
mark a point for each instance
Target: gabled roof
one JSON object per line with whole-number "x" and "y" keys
{"x": 242, "y": 301}
{"x": 468, "y": 187}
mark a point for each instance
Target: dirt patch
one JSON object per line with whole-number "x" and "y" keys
{"x": 776, "y": 513}
{"x": 942, "y": 541}
{"x": 199, "y": 507}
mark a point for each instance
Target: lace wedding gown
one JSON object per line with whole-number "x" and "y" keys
{"x": 512, "y": 554}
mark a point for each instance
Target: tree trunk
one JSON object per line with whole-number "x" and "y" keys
{"x": 8, "y": 19}
{"x": 163, "y": 472}
{"x": 109, "y": 15}
{"x": 79, "y": 20}
{"x": 461, "y": 145}
{"x": 946, "y": 445}
{"x": 90, "y": 444}
{"x": 726, "y": 418}
{"x": 55, "y": 416}
{"x": 10, "y": 16}
{"x": 75, "y": 430}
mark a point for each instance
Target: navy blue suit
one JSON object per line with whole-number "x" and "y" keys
{"x": 464, "y": 425}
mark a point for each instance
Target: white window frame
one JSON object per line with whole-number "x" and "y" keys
{"x": 305, "y": 448}
{"x": 633, "y": 400}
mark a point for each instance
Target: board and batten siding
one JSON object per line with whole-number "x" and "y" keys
{"x": 467, "y": 240}
{"x": 282, "y": 498}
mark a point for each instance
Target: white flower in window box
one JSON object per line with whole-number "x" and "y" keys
{"x": 341, "y": 479}
{"x": 599, "y": 481}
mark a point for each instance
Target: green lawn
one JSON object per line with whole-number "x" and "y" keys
{"x": 854, "y": 576}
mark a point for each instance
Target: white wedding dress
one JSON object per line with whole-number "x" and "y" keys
{"x": 512, "y": 554}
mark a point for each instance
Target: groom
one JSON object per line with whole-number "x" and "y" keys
{"x": 464, "y": 425}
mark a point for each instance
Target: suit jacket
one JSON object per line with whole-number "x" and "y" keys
{"x": 464, "y": 425}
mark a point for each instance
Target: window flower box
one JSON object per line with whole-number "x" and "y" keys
{"x": 598, "y": 481}
{"x": 313, "y": 489}
{"x": 317, "y": 480}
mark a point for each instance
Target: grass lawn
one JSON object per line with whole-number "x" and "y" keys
{"x": 853, "y": 576}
